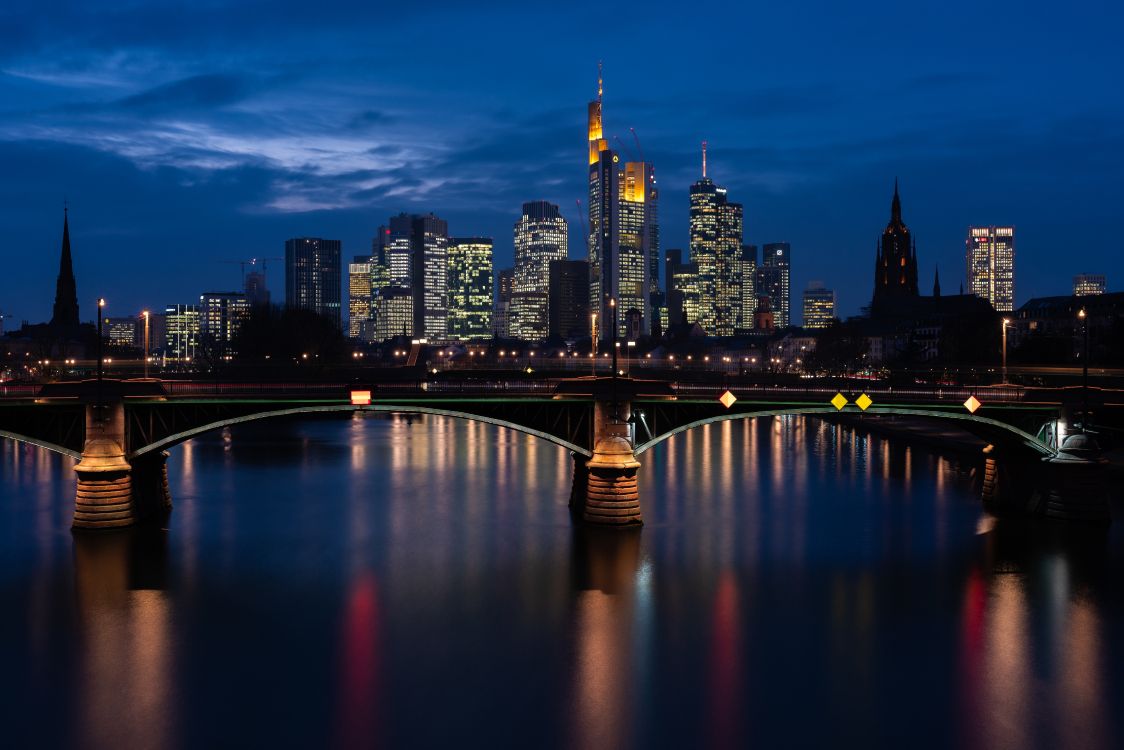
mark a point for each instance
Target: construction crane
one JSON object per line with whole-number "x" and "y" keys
{"x": 251, "y": 262}
{"x": 636, "y": 138}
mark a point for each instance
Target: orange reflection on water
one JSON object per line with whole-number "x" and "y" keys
{"x": 725, "y": 668}
{"x": 359, "y": 721}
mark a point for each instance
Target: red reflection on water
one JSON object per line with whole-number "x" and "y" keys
{"x": 725, "y": 665}
{"x": 360, "y": 690}
{"x": 972, "y": 655}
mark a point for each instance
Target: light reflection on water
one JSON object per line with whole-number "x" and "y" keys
{"x": 416, "y": 581}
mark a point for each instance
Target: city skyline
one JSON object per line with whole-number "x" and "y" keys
{"x": 204, "y": 152}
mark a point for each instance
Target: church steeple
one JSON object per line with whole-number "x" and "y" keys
{"x": 937, "y": 281}
{"x": 896, "y": 206}
{"x": 895, "y": 278}
{"x": 66, "y": 291}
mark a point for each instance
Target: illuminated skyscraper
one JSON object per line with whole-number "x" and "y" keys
{"x": 181, "y": 332}
{"x": 623, "y": 229}
{"x": 312, "y": 276}
{"x": 895, "y": 263}
{"x": 220, "y": 318}
{"x": 774, "y": 280}
{"x": 541, "y": 237}
{"x": 505, "y": 285}
{"x": 470, "y": 288}
{"x": 1086, "y": 284}
{"x": 749, "y": 287}
{"x": 417, "y": 252}
{"x": 716, "y": 246}
{"x": 990, "y": 259}
{"x": 819, "y": 305}
{"x": 360, "y": 304}
{"x": 683, "y": 295}
{"x": 395, "y": 313}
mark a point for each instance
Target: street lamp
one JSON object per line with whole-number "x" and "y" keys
{"x": 101, "y": 305}
{"x": 613, "y": 334}
{"x": 1084, "y": 370}
{"x": 1006, "y": 322}
{"x": 145, "y": 314}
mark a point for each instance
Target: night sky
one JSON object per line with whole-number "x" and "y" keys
{"x": 188, "y": 134}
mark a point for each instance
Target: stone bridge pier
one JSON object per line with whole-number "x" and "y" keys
{"x": 114, "y": 491}
{"x": 605, "y": 490}
{"x": 1071, "y": 486}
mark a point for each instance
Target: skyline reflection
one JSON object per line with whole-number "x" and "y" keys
{"x": 405, "y": 581}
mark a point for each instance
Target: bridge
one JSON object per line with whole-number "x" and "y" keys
{"x": 120, "y": 431}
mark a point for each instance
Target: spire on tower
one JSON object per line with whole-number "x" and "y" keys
{"x": 704, "y": 160}
{"x": 896, "y": 204}
{"x": 600, "y": 87}
{"x": 66, "y": 294}
{"x": 937, "y": 281}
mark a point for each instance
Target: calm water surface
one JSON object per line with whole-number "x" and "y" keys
{"x": 379, "y": 581}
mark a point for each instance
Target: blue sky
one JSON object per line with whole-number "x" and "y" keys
{"x": 186, "y": 137}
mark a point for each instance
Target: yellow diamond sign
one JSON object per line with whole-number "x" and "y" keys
{"x": 863, "y": 402}
{"x": 839, "y": 401}
{"x": 972, "y": 404}
{"x": 727, "y": 399}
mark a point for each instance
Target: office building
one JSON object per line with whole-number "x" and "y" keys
{"x": 312, "y": 276}
{"x": 541, "y": 237}
{"x": 394, "y": 314}
{"x": 527, "y": 316}
{"x": 749, "y": 287}
{"x": 417, "y": 251}
{"x": 623, "y": 207}
{"x": 505, "y": 286}
{"x": 990, "y": 258}
{"x": 253, "y": 285}
{"x": 716, "y": 247}
{"x": 470, "y": 288}
{"x": 684, "y": 299}
{"x": 774, "y": 280}
{"x": 819, "y": 305}
{"x": 568, "y": 299}
{"x": 1086, "y": 284}
{"x": 220, "y": 318}
{"x": 182, "y": 329}
{"x": 360, "y": 300}
{"x": 121, "y": 333}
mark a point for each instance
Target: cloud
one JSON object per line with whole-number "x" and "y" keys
{"x": 197, "y": 92}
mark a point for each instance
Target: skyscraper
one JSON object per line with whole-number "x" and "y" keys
{"x": 819, "y": 305}
{"x": 749, "y": 287}
{"x": 360, "y": 303}
{"x": 623, "y": 217}
{"x": 683, "y": 296}
{"x": 505, "y": 284}
{"x": 990, "y": 258}
{"x": 66, "y": 290}
{"x": 1086, "y": 284}
{"x": 220, "y": 318}
{"x": 181, "y": 332}
{"x": 257, "y": 294}
{"x": 417, "y": 250}
{"x": 568, "y": 300}
{"x": 470, "y": 288}
{"x": 716, "y": 246}
{"x": 895, "y": 263}
{"x": 312, "y": 276}
{"x": 774, "y": 280}
{"x": 541, "y": 237}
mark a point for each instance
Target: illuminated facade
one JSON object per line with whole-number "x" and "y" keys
{"x": 360, "y": 303}
{"x": 749, "y": 287}
{"x": 417, "y": 250}
{"x": 181, "y": 332}
{"x": 623, "y": 229}
{"x": 990, "y": 257}
{"x": 895, "y": 263}
{"x": 716, "y": 247}
{"x": 505, "y": 285}
{"x": 528, "y": 315}
{"x": 122, "y": 333}
{"x": 774, "y": 280}
{"x": 683, "y": 290}
{"x": 470, "y": 288}
{"x": 394, "y": 313}
{"x": 220, "y": 318}
{"x": 541, "y": 237}
{"x": 1086, "y": 284}
{"x": 819, "y": 305}
{"x": 312, "y": 276}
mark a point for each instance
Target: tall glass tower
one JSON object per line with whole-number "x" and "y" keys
{"x": 990, "y": 257}
{"x": 716, "y": 227}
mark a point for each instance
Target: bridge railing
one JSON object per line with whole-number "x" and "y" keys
{"x": 952, "y": 394}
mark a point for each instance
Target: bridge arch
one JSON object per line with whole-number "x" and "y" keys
{"x": 180, "y": 437}
{"x": 76, "y": 455}
{"x": 983, "y": 427}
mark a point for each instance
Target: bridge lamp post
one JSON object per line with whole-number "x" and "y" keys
{"x": 1006, "y": 322}
{"x": 1084, "y": 369}
{"x": 145, "y": 314}
{"x": 101, "y": 306}
{"x": 613, "y": 334}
